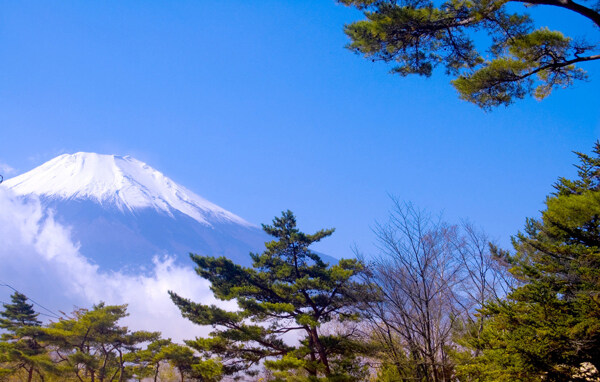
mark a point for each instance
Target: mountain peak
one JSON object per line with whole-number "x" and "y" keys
{"x": 122, "y": 181}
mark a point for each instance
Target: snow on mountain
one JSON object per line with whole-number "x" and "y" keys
{"x": 123, "y": 181}
{"x": 123, "y": 212}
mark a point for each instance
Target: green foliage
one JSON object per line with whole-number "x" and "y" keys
{"x": 288, "y": 289}
{"x": 189, "y": 365}
{"x": 549, "y": 325}
{"x": 145, "y": 363}
{"x": 395, "y": 362}
{"x": 18, "y": 314}
{"x": 90, "y": 344}
{"x": 490, "y": 355}
{"x": 21, "y": 352}
{"x": 418, "y": 36}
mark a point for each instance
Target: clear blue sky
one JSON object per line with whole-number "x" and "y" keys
{"x": 257, "y": 106}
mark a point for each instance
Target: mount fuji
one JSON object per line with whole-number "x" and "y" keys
{"x": 122, "y": 212}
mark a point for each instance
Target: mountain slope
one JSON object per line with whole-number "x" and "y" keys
{"x": 123, "y": 212}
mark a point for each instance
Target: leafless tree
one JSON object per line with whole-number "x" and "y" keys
{"x": 484, "y": 276}
{"x": 416, "y": 275}
{"x": 428, "y": 276}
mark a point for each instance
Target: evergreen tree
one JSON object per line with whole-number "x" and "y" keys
{"x": 91, "y": 346}
{"x": 289, "y": 289}
{"x": 420, "y": 35}
{"x": 145, "y": 363}
{"x": 18, "y": 314}
{"x": 550, "y": 325}
{"x": 19, "y": 349}
{"x": 190, "y": 365}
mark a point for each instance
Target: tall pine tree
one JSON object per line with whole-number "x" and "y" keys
{"x": 288, "y": 290}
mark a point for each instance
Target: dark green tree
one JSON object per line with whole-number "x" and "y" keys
{"x": 288, "y": 290}
{"x": 20, "y": 350}
{"x": 550, "y": 324}
{"x": 420, "y": 35}
{"x": 18, "y": 314}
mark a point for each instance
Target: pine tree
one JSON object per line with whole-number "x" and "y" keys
{"x": 20, "y": 349}
{"x": 289, "y": 289}
{"x": 91, "y": 344}
{"x": 146, "y": 363}
{"x": 417, "y": 36}
{"x": 550, "y": 325}
{"x": 189, "y": 365}
{"x": 18, "y": 314}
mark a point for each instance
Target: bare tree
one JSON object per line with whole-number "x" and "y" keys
{"x": 484, "y": 277}
{"x": 429, "y": 276}
{"x": 416, "y": 275}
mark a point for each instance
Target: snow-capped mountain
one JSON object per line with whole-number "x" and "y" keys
{"x": 123, "y": 212}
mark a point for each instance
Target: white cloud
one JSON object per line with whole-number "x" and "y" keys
{"x": 39, "y": 258}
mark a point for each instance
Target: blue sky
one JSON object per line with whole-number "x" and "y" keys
{"x": 257, "y": 106}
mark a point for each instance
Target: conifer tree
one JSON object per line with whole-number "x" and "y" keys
{"x": 288, "y": 290}
{"x": 419, "y": 35}
{"x": 189, "y": 365}
{"x": 18, "y": 314}
{"x": 549, "y": 326}
{"x": 91, "y": 345}
{"x": 21, "y": 350}
{"x": 145, "y": 363}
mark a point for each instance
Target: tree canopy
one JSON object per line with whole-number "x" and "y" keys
{"x": 549, "y": 326}
{"x": 90, "y": 344}
{"x": 288, "y": 290}
{"x": 522, "y": 59}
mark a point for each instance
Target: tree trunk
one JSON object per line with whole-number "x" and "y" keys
{"x": 120, "y": 366}
{"x": 156, "y": 372}
{"x": 311, "y": 345}
{"x": 320, "y": 350}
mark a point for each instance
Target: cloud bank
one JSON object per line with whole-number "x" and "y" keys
{"x": 39, "y": 258}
